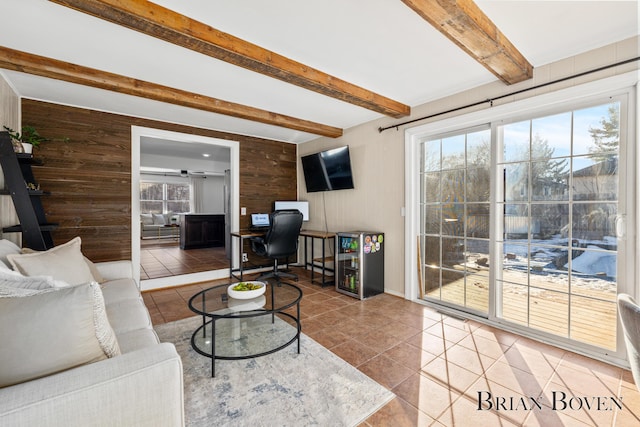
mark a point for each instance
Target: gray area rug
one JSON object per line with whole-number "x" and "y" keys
{"x": 313, "y": 388}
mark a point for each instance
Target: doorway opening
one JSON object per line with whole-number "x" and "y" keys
{"x": 147, "y": 167}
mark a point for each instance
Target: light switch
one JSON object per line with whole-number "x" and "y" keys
{"x": 243, "y": 211}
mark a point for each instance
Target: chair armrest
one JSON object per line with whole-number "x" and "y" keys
{"x": 112, "y": 270}
{"x": 141, "y": 388}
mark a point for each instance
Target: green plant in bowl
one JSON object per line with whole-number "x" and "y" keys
{"x": 246, "y": 286}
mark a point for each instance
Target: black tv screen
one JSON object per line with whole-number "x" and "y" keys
{"x": 328, "y": 170}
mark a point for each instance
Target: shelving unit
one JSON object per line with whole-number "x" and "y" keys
{"x": 36, "y": 231}
{"x": 327, "y": 273}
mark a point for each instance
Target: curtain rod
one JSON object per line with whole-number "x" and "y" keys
{"x": 490, "y": 100}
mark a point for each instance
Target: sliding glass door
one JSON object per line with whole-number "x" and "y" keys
{"x": 518, "y": 221}
{"x": 559, "y": 205}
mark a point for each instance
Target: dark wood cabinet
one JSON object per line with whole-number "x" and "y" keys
{"x": 201, "y": 231}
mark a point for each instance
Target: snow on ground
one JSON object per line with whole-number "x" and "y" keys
{"x": 592, "y": 262}
{"x": 593, "y": 268}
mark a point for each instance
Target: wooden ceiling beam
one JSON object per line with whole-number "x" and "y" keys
{"x": 462, "y": 22}
{"x": 165, "y": 24}
{"x": 52, "y": 68}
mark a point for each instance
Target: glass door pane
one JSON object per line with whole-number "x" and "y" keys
{"x": 559, "y": 207}
{"x": 454, "y": 236}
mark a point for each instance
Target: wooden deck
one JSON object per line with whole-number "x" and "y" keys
{"x": 591, "y": 319}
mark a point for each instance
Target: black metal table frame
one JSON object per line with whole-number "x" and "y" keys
{"x": 252, "y": 313}
{"x": 312, "y": 263}
{"x": 241, "y": 236}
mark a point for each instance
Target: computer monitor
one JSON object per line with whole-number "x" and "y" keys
{"x": 259, "y": 220}
{"x": 302, "y": 206}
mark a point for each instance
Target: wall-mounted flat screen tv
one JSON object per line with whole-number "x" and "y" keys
{"x": 328, "y": 170}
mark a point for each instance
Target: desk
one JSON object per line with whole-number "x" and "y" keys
{"x": 324, "y": 236}
{"x": 241, "y": 235}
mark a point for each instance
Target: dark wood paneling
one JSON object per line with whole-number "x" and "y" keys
{"x": 89, "y": 176}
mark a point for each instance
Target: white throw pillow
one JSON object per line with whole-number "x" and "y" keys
{"x": 58, "y": 329}
{"x": 146, "y": 219}
{"x": 159, "y": 219}
{"x": 7, "y": 247}
{"x": 7, "y": 291}
{"x": 64, "y": 262}
{"x": 97, "y": 276}
{"x": 17, "y": 280}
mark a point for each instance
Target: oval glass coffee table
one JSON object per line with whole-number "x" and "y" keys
{"x": 235, "y": 329}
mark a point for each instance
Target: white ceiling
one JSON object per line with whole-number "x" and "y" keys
{"x": 380, "y": 45}
{"x": 184, "y": 151}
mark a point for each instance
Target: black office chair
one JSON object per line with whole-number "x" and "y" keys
{"x": 281, "y": 240}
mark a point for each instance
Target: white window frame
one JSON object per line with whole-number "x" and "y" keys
{"x": 564, "y": 99}
{"x": 164, "y": 181}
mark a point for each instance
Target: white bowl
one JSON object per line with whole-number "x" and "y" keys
{"x": 247, "y": 294}
{"x": 239, "y": 305}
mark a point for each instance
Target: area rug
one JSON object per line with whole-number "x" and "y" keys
{"x": 313, "y": 388}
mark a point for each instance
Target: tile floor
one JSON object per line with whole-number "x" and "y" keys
{"x": 440, "y": 367}
{"x": 169, "y": 260}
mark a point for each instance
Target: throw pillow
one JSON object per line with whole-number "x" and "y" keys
{"x": 159, "y": 219}
{"x": 59, "y": 329}
{"x": 17, "y": 280}
{"x": 7, "y": 247}
{"x": 9, "y": 291}
{"x": 64, "y": 262}
{"x": 97, "y": 276}
{"x": 146, "y": 219}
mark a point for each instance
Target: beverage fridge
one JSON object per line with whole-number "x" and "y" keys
{"x": 360, "y": 263}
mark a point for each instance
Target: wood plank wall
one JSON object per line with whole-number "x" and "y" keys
{"x": 89, "y": 176}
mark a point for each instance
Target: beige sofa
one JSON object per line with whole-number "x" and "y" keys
{"x": 156, "y": 226}
{"x": 141, "y": 386}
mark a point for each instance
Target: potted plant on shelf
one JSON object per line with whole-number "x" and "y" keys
{"x": 28, "y": 139}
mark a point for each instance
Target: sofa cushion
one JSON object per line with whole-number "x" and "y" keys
{"x": 119, "y": 290}
{"x": 64, "y": 262}
{"x": 137, "y": 339}
{"x": 128, "y": 315}
{"x": 7, "y": 247}
{"x": 58, "y": 329}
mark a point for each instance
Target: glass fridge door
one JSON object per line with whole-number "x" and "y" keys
{"x": 348, "y": 264}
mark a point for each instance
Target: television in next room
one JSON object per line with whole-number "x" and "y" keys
{"x": 301, "y": 206}
{"x": 328, "y": 170}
